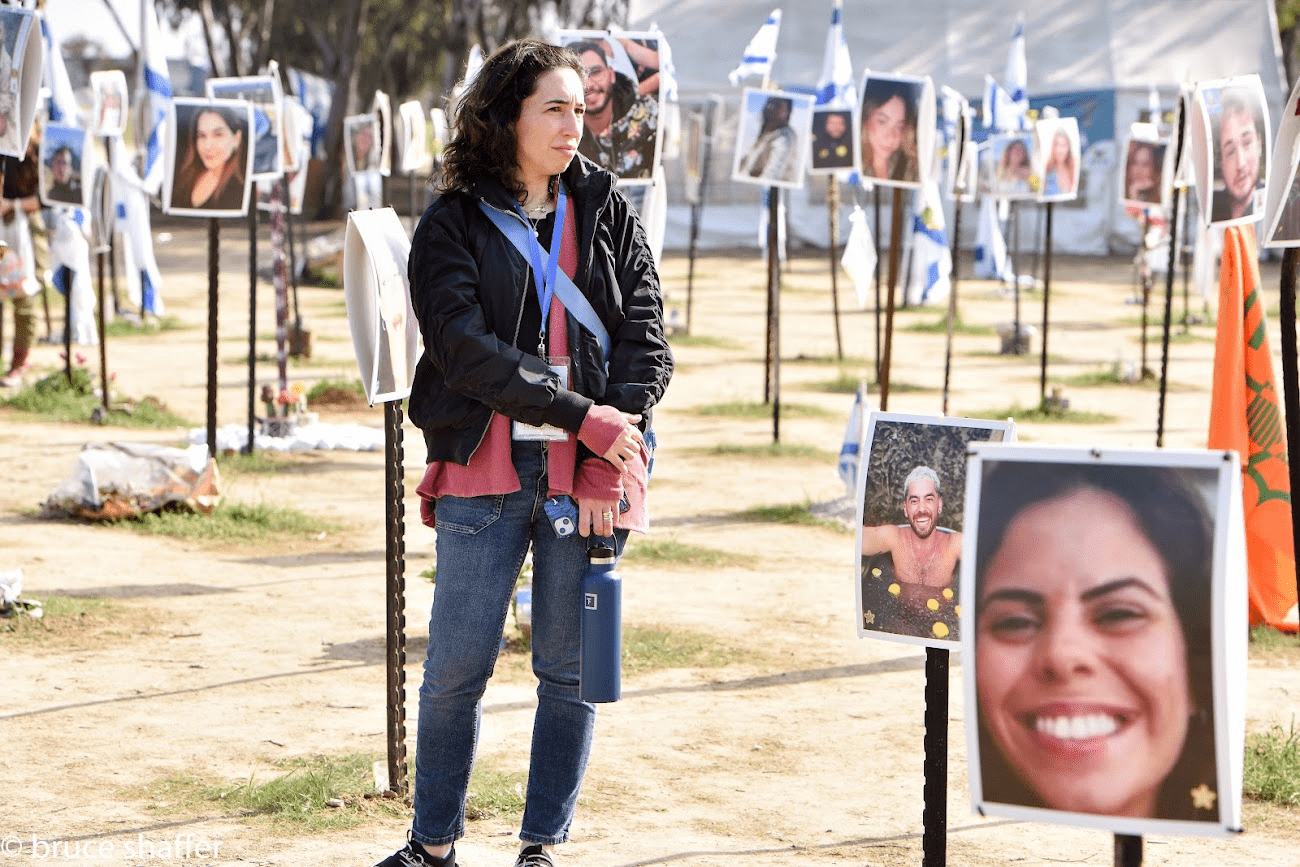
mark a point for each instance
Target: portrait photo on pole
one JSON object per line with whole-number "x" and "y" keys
{"x": 834, "y": 148}
{"x": 412, "y": 138}
{"x": 1282, "y": 201}
{"x": 1104, "y": 634}
{"x": 382, "y": 108}
{"x": 897, "y": 129}
{"x": 210, "y": 163}
{"x": 1148, "y": 169}
{"x": 64, "y": 174}
{"x": 910, "y": 521}
{"x": 1231, "y": 144}
{"x": 772, "y": 139}
{"x": 21, "y": 54}
{"x": 108, "y": 104}
{"x": 265, "y": 95}
{"x": 953, "y": 123}
{"x": 1006, "y": 167}
{"x": 385, "y": 334}
{"x": 623, "y": 99}
{"x": 360, "y": 143}
{"x": 1056, "y": 159}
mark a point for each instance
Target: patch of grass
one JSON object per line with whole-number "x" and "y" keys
{"x": 801, "y": 451}
{"x": 670, "y": 552}
{"x": 790, "y": 513}
{"x": 494, "y": 793}
{"x": 1040, "y": 414}
{"x": 55, "y": 398}
{"x": 337, "y": 392}
{"x": 260, "y": 462}
{"x": 1269, "y": 644}
{"x": 60, "y": 615}
{"x": 233, "y": 524}
{"x": 940, "y": 326}
{"x": 897, "y": 386}
{"x": 132, "y": 328}
{"x": 754, "y": 410}
{"x": 430, "y": 574}
{"x": 707, "y": 341}
{"x": 1272, "y": 767}
{"x": 653, "y": 648}
{"x": 848, "y": 360}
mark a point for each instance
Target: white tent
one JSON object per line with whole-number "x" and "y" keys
{"x": 1119, "y": 47}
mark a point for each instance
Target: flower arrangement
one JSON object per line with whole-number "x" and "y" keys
{"x": 286, "y": 410}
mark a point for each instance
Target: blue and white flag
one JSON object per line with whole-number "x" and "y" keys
{"x": 991, "y": 262}
{"x": 316, "y": 95}
{"x": 760, "y": 52}
{"x": 131, "y": 224}
{"x": 851, "y": 449}
{"x": 931, "y": 257}
{"x": 1017, "y": 77}
{"x": 835, "y": 88}
{"x": 1007, "y": 107}
{"x": 156, "y": 99}
{"x": 62, "y": 106}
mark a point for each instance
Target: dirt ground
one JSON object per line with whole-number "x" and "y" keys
{"x": 806, "y": 750}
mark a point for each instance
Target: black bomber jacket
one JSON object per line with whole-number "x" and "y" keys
{"x": 468, "y": 285}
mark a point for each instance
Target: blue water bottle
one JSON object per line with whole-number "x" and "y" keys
{"x": 602, "y": 627}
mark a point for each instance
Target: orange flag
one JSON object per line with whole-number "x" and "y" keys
{"x": 1244, "y": 417}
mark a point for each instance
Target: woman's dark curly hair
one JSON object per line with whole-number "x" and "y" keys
{"x": 483, "y": 143}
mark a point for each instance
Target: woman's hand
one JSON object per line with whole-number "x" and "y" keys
{"x": 596, "y": 516}
{"x": 628, "y": 444}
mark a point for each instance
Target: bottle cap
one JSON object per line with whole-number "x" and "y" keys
{"x": 600, "y": 553}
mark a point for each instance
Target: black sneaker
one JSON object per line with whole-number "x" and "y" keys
{"x": 413, "y": 855}
{"x": 534, "y": 856}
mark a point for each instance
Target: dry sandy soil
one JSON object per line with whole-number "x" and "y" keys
{"x": 806, "y": 749}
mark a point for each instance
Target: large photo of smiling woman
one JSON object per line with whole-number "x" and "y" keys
{"x": 1092, "y": 586}
{"x": 210, "y": 168}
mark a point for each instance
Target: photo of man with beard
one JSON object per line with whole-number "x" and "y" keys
{"x": 621, "y": 124}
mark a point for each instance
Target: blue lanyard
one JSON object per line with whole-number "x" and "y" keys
{"x": 545, "y": 278}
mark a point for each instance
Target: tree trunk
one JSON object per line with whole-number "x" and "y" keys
{"x": 345, "y": 82}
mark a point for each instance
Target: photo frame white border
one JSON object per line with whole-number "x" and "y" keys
{"x": 1204, "y": 129}
{"x": 1145, "y": 133}
{"x": 1283, "y": 186}
{"x": 102, "y": 83}
{"x": 622, "y": 63}
{"x": 414, "y": 137}
{"x": 385, "y": 332}
{"x": 855, "y": 145}
{"x": 950, "y": 149}
{"x": 382, "y": 108}
{"x": 752, "y": 101}
{"x": 261, "y": 84}
{"x": 1044, "y": 131}
{"x": 54, "y": 137}
{"x": 925, "y": 128}
{"x": 1007, "y": 428}
{"x": 174, "y": 141}
{"x": 1229, "y": 620}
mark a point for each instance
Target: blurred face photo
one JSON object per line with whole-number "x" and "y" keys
{"x": 61, "y": 166}
{"x": 885, "y": 126}
{"x": 215, "y": 141}
{"x": 1081, "y": 671}
{"x": 836, "y": 126}
{"x": 599, "y": 86}
{"x": 1239, "y": 148}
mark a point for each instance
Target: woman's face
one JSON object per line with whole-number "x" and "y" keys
{"x": 215, "y": 141}
{"x": 885, "y": 125}
{"x": 1141, "y": 169}
{"x": 1061, "y": 148}
{"x": 1081, "y": 664}
{"x": 550, "y": 125}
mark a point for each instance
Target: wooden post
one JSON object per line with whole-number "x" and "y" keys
{"x": 952, "y": 300}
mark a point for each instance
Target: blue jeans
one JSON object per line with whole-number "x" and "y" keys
{"x": 481, "y": 543}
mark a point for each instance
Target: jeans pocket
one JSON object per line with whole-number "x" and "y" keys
{"x": 469, "y": 515}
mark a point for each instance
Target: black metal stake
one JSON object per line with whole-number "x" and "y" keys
{"x": 103, "y": 337}
{"x": 1169, "y": 293}
{"x": 934, "y": 836}
{"x": 1047, "y": 291}
{"x": 252, "y": 326}
{"x": 293, "y": 261}
{"x": 395, "y": 584}
{"x": 952, "y": 301}
{"x": 1128, "y": 850}
{"x": 1013, "y": 225}
{"x": 895, "y": 241}
{"x": 66, "y": 273}
{"x": 875, "y": 192}
{"x": 773, "y": 391}
{"x": 1291, "y": 383}
{"x": 697, "y": 208}
{"x": 213, "y": 262}
{"x": 833, "y": 210}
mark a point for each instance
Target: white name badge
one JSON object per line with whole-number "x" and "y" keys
{"x": 545, "y": 432}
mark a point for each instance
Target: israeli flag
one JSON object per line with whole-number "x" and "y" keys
{"x": 62, "y": 106}
{"x": 156, "y": 99}
{"x": 1017, "y": 77}
{"x": 835, "y": 88}
{"x": 131, "y": 223}
{"x": 991, "y": 262}
{"x": 928, "y": 282}
{"x": 760, "y": 52}
{"x": 850, "y": 450}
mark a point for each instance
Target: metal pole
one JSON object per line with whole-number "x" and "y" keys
{"x": 875, "y": 191}
{"x": 895, "y": 240}
{"x": 833, "y": 210}
{"x": 213, "y": 259}
{"x": 1013, "y": 224}
{"x": 952, "y": 301}
{"x": 1168, "y": 324}
{"x": 395, "y": 584}
{"x": 252, "y": 325}
{"x": 103, "y": 338}
{"x": 67, "y": 322}
{"x": 934, "y": 837}
{"x": 1128, "y": 850}
{"x": 1291, "y": 383}
{"x": 1047, "y": 291}
{"x": 773, "y": 304}
{"x": 293, "y": 271}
